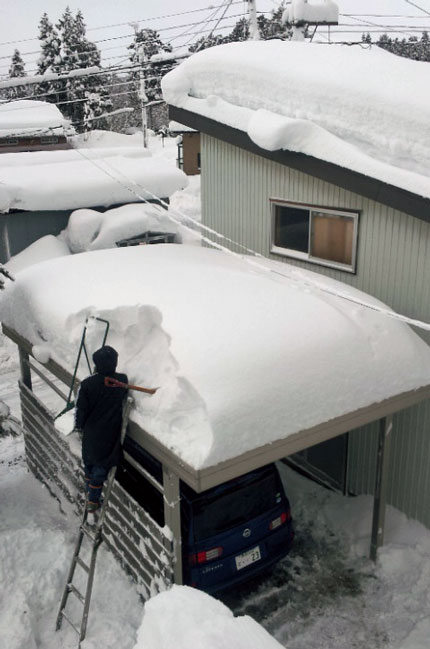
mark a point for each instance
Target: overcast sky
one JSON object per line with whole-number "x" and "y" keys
{"x": 20, "y": 20}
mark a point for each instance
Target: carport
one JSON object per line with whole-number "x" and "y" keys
{"x": 50, "y": 459}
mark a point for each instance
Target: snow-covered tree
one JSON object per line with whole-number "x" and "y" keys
{"x": 268, "y": 27}
{"x": 17, "y": 65}
{"x": 86, "y": 97}
{"x": 16, "y": 70}
{"x": 411, "y": 48}
{"x": 146, "y": 44}
{"x": 50, "y": 59}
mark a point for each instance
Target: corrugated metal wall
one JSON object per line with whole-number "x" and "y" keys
{"x": 393, "y": 264}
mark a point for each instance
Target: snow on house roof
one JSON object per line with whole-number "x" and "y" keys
{"x": 363, "y": 109}
{"x": 243, "y": 357}
{"x": 25, "y": 117}
{"x": 77, "y": 178}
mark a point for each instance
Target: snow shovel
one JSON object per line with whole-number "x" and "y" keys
{"x": 113, "y": 383}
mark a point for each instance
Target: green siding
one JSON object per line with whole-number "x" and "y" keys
{"x": 393, "y": 264}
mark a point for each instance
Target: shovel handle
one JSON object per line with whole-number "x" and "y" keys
{"x": 114, "y": 383}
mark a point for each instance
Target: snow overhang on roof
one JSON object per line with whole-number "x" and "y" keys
{"x": 252, "y": 365}
{"x": 331, "y": 111}
{"x": 76, "y": 178}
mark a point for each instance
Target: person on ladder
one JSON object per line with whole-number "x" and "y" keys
{"x": 98, "y": 418}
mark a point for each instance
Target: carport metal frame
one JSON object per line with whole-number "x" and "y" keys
{"x": 175, "y": 469}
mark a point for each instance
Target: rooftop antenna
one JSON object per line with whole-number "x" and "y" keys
{"x": 254, "y": 34}
{"x": 300, "y": 14}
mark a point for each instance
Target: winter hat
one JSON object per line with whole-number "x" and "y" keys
{"x": 105, "y": 359}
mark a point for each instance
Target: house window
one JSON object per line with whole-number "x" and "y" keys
{"x": 49, "y": 139}
{"x": 317, "y": 234}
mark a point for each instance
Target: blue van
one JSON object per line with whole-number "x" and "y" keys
{"x": 230, "y": 533}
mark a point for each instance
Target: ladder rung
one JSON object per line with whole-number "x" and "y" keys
{"x": 89, "y": 533}
{"x": 82, "y": 564}
{"x": 72, "y": 624}
{"x": 75, "y": 591}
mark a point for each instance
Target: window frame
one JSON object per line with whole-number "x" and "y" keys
{"x": 306, "y": 256}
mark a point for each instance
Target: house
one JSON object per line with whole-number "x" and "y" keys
{"x": 188, "y": 148}
{"x": 30, "y": 125}
{"x": 310, "y": 157}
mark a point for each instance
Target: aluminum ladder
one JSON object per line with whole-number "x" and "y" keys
{"x": 93, "y": 533}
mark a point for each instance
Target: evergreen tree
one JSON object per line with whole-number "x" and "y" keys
{"x": 49, "y": 60}
{"x": 16, "y": 70}
{"x": 146, "y": 44}
{"x": 271, "y": 27}
{"x": 412, "y": 48}
{"x": 87, "y": 95}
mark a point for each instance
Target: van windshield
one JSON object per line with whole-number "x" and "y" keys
{"x": 237, "y": 506}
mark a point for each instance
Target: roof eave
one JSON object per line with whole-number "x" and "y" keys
{"x": 202, "y": 479}
{"x": 376, "y": 190}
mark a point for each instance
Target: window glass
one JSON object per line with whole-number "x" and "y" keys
{"x": 234, "y": 507}
{"x": 332, "y": 237}
{"x": 291, "y": 228}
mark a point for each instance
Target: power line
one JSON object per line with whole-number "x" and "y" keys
{"x": 116, "y": 38}
{"x": 420, "y": 8}
{"x": 182, "y": 13}
{"x": 306, "y": 284}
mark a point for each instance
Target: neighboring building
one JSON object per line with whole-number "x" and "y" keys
{"x": 39, "y": 190}
{"x": 318, "y": 164}
{"x": 29, "y": 125}
{"x": 188, "y": 148}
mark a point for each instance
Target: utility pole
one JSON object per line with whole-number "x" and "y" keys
{"x": 142, "y": 90}
{"x": 254, "y": 34}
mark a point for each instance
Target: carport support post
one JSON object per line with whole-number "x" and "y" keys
{"x": 382, "y": 464}
{"x": 25, "y": 368}
{"x": 172, "y": 518}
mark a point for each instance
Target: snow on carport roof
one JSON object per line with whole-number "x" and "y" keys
{"x": 363, "y": 109}
{"x": 245, "y": 359}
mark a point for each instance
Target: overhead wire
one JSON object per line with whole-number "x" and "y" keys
{"x": 267, "y": 269}
{"x": 417, "y": 7}
{"x": 146, "y": 19}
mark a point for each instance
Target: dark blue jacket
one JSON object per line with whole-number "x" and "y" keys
{"x": 99, "y": 416}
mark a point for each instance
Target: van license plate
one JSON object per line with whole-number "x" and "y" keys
{"x": 245, "y": 559}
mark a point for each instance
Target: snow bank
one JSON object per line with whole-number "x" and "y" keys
{"x": 76, "y": 178}
{"x": 186, "y": 618}
{"x": 92, "y": 230}
{"x": 106, "y": 139}
{"x": 26, "y": 117}
{"x": 337, "y": 104}
{"x": 242, "y": 356}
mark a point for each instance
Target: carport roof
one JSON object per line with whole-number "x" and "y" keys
{"x": 252, "y": 365}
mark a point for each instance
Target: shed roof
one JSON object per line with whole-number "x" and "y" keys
{"x": 252, "y": 365}
{"x": 76, "y": 178}
{"x": 24, "y": 117}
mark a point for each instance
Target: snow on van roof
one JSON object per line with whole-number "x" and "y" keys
{"x": 76, "y": 178}
{"x": 28, "y": 117}
{"x": 364, "y": 109}
{"x": 242, "y": 356}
